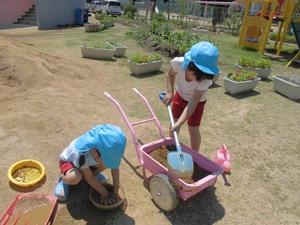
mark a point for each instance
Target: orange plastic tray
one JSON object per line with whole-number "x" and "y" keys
{"x": 11, "y": 217}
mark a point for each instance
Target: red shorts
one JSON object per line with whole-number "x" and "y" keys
{"x": 65, "y": 166}
{"x": 179, "y": 104}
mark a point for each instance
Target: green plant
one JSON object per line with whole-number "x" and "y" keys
{"x": 263, "y": 64}
{"x": 99, "y": 45}
{"x": 159, "y": 17}
{"x": 99, "y": 16}
{"x": 246, "y": 62}
{"x": 106, "y": 20}
{"x": 234, "y": 21}
{"x": 182, "y": 9}
{"x": 242, "y": 75}
{"x": 287, "y": 38}
{"x": 256, "y": 63}
{"x": 130, "y": 11}
{"x": 139, "y": 58}
{"x": 116, "y": 44}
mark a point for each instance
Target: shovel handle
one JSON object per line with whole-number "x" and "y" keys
{"x": 162, "y": 95}
{"x": 178, "y": 147}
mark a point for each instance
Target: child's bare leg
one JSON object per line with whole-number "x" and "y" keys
{"x": 99, "y": 169}
{"x": 72, "y": 176}
{"x": 195, "y": 137}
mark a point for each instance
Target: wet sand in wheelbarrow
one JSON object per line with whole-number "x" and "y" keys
{"x": 161, "y": 155}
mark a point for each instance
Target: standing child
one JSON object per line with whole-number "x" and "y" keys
{"x": 87, "y": 156}
{"x": 193, "y": 74}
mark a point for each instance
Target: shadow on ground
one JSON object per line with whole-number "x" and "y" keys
{"x": 79, "y": 207}
{"x": 204, "y": 208}
{"x": 244, "y": 95}
{"x": 267, "y": 80}
{"x": 214, "y": 85}
{"x": 151, "y": 74}
{"x": 14, "y": 26}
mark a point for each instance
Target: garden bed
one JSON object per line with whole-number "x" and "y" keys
{"x": 240, "y": 82}
{"x": 287, "y": 86}
{"x": 120, "y": 48}
{"x": 92, "y": 27}
{"x": 144, "y": 64}
{"x": 262, "y": 67}
{"x": 99, "y": 51}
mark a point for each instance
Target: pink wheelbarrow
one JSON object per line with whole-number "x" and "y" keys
{"x": 165, "y": 188}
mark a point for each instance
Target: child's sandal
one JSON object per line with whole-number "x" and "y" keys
{"x": 61, "y": 190}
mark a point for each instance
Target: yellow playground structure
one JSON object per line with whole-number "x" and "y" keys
{"x": 258, "y": 18}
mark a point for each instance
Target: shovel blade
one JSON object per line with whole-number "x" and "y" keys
{"x": 181, "y": 164}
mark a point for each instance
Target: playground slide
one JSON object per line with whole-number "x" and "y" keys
{"x": 296, "y": 31}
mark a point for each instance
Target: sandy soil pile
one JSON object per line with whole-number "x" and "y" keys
{"x": 46, "y": 100}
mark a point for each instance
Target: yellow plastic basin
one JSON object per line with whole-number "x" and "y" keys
{"x": 26, "y": 163}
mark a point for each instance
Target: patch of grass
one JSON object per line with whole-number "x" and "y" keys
{"x": 29, "y": 44}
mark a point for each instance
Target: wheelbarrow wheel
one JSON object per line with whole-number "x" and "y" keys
{"x": 163, "y": 193}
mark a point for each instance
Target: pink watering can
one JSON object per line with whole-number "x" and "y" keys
{"x": 222, "y": 158}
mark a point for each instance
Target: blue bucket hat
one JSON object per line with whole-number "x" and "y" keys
{"x": 108, "y": 139}
{"x": 205, "y": 56}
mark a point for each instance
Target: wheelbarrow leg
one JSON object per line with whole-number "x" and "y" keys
{"x": 145, "y": 175}
{"x": 226, "y": 183}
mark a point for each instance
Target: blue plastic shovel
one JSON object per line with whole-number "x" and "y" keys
{"x": 180, "y": 163}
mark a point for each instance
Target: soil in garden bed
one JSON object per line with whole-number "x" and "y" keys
{"x": 160, "y": 154}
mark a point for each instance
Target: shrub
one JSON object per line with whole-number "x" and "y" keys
{"x": 246, "y": 62}
{"x": 263, "y": 64}
{"x": 139, "y": 58}
{"x": 249, "y": 62}
{"x": 242, "y": 75}
{"x": 106, "y": 20}
{"x": 159, "y": 17}
{"x": 100, "y": 16}
{"x": 130, "y": 11}
{"x": 287, "y": 38}
{"x": 234, "y": 21}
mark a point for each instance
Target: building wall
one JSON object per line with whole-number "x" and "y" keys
{"x": 54, "y": 13}
{"x": 11, "y": 10}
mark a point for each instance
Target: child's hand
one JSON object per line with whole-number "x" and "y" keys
{"x": 106, "y": 199}
{"x": 168, "y": 98}
{"x": 176, "y": 127}
{"x": 119, "y": 194}
{"x": 104, "y": 194}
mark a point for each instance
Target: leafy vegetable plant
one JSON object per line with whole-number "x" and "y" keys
{"x": 263, "y": 63}
{"x": 242, "y": 75}
{"x": 259, "y": 63}
{"x": 116, "y": 44}
{"x": 139, "y": 58}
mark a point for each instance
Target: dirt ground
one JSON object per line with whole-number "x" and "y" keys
{"x": 50, "y": 97}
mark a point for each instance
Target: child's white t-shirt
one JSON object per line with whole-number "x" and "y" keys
{"x": 184, "y": 88}
{"x": 71, "y": 154}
